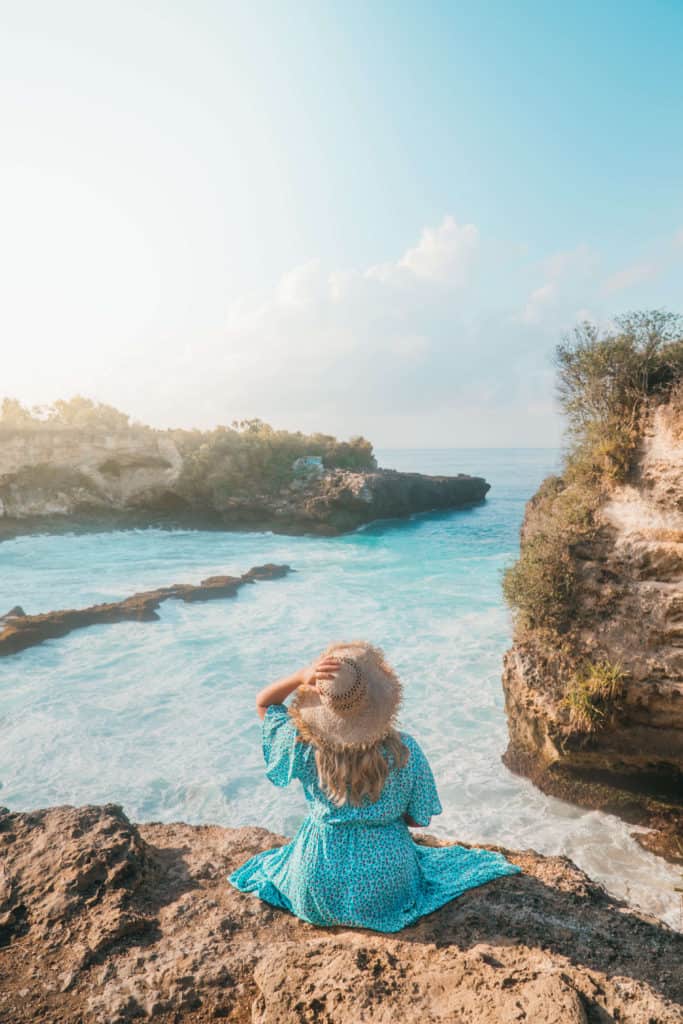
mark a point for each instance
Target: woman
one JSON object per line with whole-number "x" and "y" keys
{"x": 353, "y": 860}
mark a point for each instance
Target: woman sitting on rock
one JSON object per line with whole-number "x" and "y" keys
{"x": 353, "y": 860}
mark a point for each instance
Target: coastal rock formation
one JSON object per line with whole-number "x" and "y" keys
{"x": 55, "y": 472}
{"x": 19, "y": 630}
{"x": 103, "y": 921}
{"x": 341, "y": 500}
{"x": 628, "y": 613}
{"x": 64, "y": 478}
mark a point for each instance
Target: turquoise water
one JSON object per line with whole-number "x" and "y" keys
{"x": 159, "y": 716}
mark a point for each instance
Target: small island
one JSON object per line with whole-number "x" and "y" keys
{"x": 79, "y": 465}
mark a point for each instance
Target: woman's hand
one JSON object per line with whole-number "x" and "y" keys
{"x": 324, "y": 668}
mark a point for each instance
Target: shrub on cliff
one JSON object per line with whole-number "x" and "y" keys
{"x": 604, "y": 381}
{"x": 605, "y": 378}
{"x": 252, "y": 456}
{"x": 540, "y": 586}
{"x": 78, "y": 412}
{"x": 249, "y": 456}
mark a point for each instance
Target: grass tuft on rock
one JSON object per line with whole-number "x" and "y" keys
{"x": 593, "y": 695}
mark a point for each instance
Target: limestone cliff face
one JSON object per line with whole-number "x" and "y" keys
{"x": 104, "y": 922}
{"x": 65, "y": 478}
{"x": 61, "y": 470}
{"x": 629, "y": 613}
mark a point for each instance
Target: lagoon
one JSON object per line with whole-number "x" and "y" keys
{"x": 159, "y": 716}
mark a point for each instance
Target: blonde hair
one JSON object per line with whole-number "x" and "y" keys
{"x": 349, "y": 772}
{"x": 349, "y": 776}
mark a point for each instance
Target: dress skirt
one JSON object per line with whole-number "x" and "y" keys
{"x": 359, "y": 866}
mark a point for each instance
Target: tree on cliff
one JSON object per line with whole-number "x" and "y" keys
{"x": 253, "y": 456}
{"x": 76, "y": 412}
{"x": 14, "y": 414}
{"x": 83, "y": 412}
{"x": 604, "y": 381}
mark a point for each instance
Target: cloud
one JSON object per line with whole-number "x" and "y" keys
{"x": 302, "y": 285}
{"x": 663, "y": 258}
{"x": 568, "y": 276}
{"x": 538, "y": 299}
{"x": 420, "y": 340}
{"x": 629, "y": 276}
{"x": 444, "y": 254}
{"x": 450, "y": 343}
{"x": 447, "y": 344}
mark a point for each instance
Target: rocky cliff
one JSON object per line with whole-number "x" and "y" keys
{"x": 71, "y": 478}
{"x": 595, "y": 710}
{"x": 103, "y": 922}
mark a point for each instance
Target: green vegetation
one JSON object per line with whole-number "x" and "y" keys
{"x": 540, "y": 586}
{"x": 593, "y": 695}
{"x": 604, "y": 381}
{"x": 253, "y": 456}
{"x": 76, "y": 412}
{"x": 247, "y": 457}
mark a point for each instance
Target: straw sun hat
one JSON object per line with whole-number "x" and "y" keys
{"x": 354, "y": 709}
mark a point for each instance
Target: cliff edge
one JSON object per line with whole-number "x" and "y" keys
{"x": 103, "y": 922}
{"x": 594, "y": 680}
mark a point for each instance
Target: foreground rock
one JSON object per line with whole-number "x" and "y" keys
{"x": 19, "y": 630}
{"x": 64, "y": 479}
{"x": 629, "y": 612}
{"x": 102, "y": 921}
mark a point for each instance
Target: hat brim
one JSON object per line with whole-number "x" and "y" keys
{"x": 317, "y": 723}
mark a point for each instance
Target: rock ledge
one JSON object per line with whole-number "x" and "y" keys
{"x": 103, "y": 921}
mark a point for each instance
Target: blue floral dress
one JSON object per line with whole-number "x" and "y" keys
{"x": 359, "y": 866}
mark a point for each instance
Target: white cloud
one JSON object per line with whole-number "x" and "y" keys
{"x": 420, "y": 340}
{"x": 303, "y": 285}
{"x": 419, "y": 350}
{"x": 662, "y": 258}
{"x": 629, "y": 276}
{"x": 539, "y": 298}
{"x": 449, "y": 343}
{"x": 566, "y": 274}
{"x": 444, "y": 254}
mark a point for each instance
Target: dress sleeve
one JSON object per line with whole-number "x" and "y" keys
{"x": 283, "y": 754}
{"x": 424, "y": 799}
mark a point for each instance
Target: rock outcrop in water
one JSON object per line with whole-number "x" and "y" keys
{"x": 628, "y": 612}
{"x": 103, "y": 922}
{"x": 65, "y": 478}
{"x": 19, "y": 630}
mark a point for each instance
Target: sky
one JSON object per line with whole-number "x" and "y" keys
{"x": 372, "y": 218}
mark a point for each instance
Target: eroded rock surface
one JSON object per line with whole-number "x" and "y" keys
{"x": 102, "y": 922}
{"x": 630, "y": 613}
{"x": 19, "y": 630}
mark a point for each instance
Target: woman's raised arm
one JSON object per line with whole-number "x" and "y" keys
{"x": 277, "y": 692}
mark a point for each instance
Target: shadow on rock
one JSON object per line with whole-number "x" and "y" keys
{"x": 105, "y": 922}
